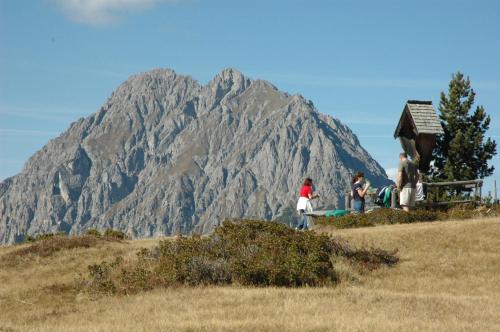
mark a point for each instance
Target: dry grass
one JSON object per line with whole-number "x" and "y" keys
{"x": 447, "y": 280}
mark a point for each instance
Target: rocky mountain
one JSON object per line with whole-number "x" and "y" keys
{"x": 167, "y": 155}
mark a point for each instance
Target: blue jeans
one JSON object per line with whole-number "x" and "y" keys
{"x": 358, "y": 206}
{"x": 303, "y": 222}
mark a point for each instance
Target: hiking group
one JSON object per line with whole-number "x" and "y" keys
{"x": 408, "y": 184}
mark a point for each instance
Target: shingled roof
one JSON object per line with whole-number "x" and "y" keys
{"x": 423, "y": 116}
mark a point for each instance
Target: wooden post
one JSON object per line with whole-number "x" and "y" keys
{"x": 494, "y": 191}
{"x": 347, "y": 201}
{"x": 475, "y": 193}
{"x": 480, "y": 189}
{"x": 393, "y": 198}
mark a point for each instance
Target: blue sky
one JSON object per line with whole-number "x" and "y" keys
{"x": 358, "y": 61}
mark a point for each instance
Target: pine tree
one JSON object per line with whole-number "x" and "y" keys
{"x": 462, "y": 152}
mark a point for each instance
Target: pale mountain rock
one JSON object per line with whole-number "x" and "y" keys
{"x": 166, "y": 155}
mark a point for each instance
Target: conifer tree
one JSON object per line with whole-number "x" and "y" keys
{"x": 463, "y": 151}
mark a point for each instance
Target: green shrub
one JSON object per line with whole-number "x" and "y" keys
{"x": 93, "y": 232}
{"x": 393, "y": 216}
{"x": 100, "y": 277}
{"x": 43, "y": 236}
{"x": 380, "y": 217}
{"x": 108, "y": 233}
{"x": 29, "y": 238}
{"x": 264, "y": 253}
{"x": 492, "y": 211}
{"x": 48, "y": 245}
{"x": 463, "y": 211}
{"x": 192, "y": 261}
{"x": 252, "y": 253}
{"x": 115, "y": 234}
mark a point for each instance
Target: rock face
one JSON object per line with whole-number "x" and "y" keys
{"x": 165, "y": 155}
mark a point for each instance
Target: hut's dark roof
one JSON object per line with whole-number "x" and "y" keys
{"x": 425, "y": 120}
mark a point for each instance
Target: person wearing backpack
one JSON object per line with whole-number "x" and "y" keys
{"x": 406, "y": 182}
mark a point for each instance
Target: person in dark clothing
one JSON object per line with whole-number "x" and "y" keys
{"x": 359, "y": 189}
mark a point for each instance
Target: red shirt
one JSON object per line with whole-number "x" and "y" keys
{"x": 305, "y": 191}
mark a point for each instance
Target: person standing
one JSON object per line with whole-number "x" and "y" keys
{"x": 359, "y": 189}
{"x": 406, "y": 182}
{"x": 306, "y": 194}
{"x": 419, "y": 191}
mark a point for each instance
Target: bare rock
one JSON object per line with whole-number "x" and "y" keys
{"x": 165, "y": 155}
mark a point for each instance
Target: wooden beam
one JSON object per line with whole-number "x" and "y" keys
{"x": 449, "y": 203}
{"x": 479, "y": 182}
{"x": 347, "y": 200}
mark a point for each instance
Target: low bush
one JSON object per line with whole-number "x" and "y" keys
{"x": 251, "y": 253}
{"x": 393, "y": 216}
{"x": 100, "y": 277}
{"x": 93, "y": 232}
{"x": 108, "y": 233}
{"x": 47, "y": 244}
{"x": 43, "y": 236}
{"x": 115, "y": 234}
{"x": 380, "y": 217}
{"x": 463, "y": 211}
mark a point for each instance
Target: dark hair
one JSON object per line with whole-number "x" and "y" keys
{"x": 308, "y": 182}
{"x": 403, "y": 154}
{"x": 357, "y": 176}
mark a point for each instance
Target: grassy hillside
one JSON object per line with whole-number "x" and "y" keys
{"x": 447, "y": 279}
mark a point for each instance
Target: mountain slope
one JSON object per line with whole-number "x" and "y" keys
{"x": 165, "y": 155}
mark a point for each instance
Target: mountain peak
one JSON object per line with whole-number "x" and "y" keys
{"x": 230, "y": 77}
{"x": 165, "y": 155}
{"x": 226, "y": 84}
{"x": 231, "y": 73}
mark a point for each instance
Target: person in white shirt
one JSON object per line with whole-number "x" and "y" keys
{"x": 306, "y": 194}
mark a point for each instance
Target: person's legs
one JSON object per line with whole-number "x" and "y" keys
{"x": 306, "y": 222}
{"x": 410, "y": 196}
{"x": 357, "y": 207}
{"x": 302, "y": 220}
{"x": 404, "y": 199}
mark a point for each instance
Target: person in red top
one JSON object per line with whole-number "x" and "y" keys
{"x": 306, "y": 194}
{"x": 306, "y": 190}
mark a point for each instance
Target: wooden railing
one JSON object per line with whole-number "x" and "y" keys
{"x": 470, "y": 184}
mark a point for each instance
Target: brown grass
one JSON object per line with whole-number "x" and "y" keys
{"x": 447, "y": 280}
{"x": 50, "y": 245}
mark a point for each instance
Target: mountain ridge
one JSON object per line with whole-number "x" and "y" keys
{"x": 166, "y": 155}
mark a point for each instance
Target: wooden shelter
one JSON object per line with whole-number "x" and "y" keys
{"x": 417, "y": 130}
